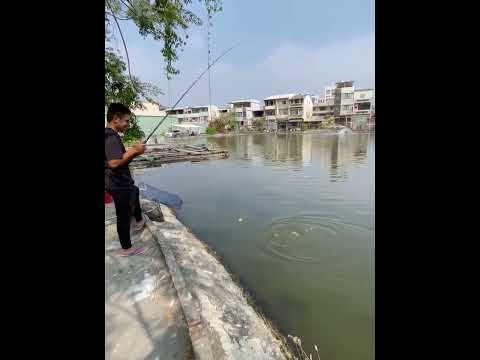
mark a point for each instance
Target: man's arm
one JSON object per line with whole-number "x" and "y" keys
{"x": 134, "y": 151}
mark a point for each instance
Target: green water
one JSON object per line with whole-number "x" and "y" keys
{"x": 305, "y": 245}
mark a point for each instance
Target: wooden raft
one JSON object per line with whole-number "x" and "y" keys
{"x": 157, "y": 155}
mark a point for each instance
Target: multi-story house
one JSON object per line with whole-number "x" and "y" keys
{"x": 363, "y": 108}
{"x": 243, "y": 110}
{"x": 329, "y": 93}
{"x": 343, "y": 102}
{"x": 300, "y": 110}
{"x": 276, "y": 111}
{"x": 363, "y": 101}
{"x": 322, "y": 109}
{"x": 283, "y": 112}
{"x": 195, "y": 114}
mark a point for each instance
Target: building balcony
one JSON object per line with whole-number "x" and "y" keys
{"x": 199, "y": 114}
{"x": 362, "y": 111}
{"x": 322, "y": 112}
{"x": 241, "y": 109}
{"x": 295, "y": 117}
{"x": 270, "y": 117}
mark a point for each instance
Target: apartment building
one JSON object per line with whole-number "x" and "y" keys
{"x": 276, "y": 110}
{"x": 364, "y": 101}
{"x": 343, "y": 102}
{"x": 363, "y": 108}
{"x": 195, "y": 114}
{"x": 321, "y": 110}
{"x": 243, "y": 110}
{"x": 300, "y": 110}
{"x": 329, "y": 93}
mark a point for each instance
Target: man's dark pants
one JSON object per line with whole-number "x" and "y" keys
{"x": 125, "y": 200}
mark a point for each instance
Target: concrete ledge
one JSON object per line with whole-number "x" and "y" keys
{"x": 143, "y": 316}
{"x": 221, "y": 323}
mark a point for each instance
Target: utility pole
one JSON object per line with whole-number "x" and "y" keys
{"x": 209, "y": 77}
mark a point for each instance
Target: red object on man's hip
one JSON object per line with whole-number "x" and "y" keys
{"x": 108, "y": 198}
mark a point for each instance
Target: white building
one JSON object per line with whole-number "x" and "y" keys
{"x": 322, "y": 109}
{"x": 276, "y": 110}
{"x": 199, "y": 115}
{"x": 364, "y": 101}
{"x": 283, "y": 112}
{"x": 243, "y": 110}
{"x": 363, "y": 108}
{"x": 300, "y": 110}
{"x": 329, "y": 93}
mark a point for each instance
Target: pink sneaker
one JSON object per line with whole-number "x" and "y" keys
{"x": 136, "y": 251}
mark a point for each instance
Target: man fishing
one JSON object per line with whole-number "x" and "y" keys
{"x": 118, "y": 180}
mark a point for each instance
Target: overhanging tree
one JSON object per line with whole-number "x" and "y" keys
{"x": 162, "y": 20}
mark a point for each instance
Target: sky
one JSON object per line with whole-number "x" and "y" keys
{"x": 285, "y": 46}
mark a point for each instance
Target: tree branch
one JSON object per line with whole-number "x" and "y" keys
{"x": 124, "y": 44}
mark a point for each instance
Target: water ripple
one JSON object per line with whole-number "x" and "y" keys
{"x": 309, "y": 238}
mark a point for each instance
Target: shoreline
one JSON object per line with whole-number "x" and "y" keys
{"x": 329, "y": 131}
{"x": 223, "y": 320}
{"x": 184, "y": 301}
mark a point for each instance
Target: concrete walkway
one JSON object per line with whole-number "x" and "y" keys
{"x": 143, "y": 318}
{"x": 177, "y": 301}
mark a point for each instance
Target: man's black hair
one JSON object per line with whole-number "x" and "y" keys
{"x": 117, "y": 109}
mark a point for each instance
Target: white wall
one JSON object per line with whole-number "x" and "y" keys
{"x": 307, "y": 108}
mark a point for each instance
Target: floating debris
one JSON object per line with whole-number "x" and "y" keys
{"x": 157, "y": 155}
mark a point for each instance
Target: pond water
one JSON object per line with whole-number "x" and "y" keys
{"x": 293, "y": 215}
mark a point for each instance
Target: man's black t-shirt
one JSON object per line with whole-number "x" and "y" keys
{"x": 119, "y": 178}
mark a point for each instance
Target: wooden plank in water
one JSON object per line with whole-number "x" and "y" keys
{"x": 156, "y": 157}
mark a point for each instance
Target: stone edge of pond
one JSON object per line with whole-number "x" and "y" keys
{"x": 206, "y": 348}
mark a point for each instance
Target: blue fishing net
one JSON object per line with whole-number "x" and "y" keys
{"x": 152, "y": 193}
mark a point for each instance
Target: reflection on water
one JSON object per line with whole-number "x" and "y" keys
{"x": 305, "y": 247}
{"x": 336, "y": 152}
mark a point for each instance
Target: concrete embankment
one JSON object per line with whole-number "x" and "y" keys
{"x": 177, "y": 301}
{"x": 221, "y": 322}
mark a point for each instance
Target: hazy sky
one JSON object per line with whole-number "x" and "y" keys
{"x": 286, "y": 46}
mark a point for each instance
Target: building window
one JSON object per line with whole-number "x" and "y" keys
{"x": 348, "y": 95}
{"x": 347, "y": 107}
{"x": 284, "y": 102}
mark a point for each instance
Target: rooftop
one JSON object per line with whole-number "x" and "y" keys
{"x": 341, "y": 84}
{"x": 189, "y": 107}
{"x": 284, "y": 96}
{"x": 299, "y": 96}
{"x": 244, "y": 100}
{"x": 150, "y": 109}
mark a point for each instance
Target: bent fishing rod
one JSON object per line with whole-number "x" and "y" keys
{"x": 186, "y": 91}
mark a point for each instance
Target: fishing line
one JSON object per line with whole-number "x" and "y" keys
{"x": 189, "y": 88}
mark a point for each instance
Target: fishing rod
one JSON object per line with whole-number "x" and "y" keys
{"x": 189, "y": 88}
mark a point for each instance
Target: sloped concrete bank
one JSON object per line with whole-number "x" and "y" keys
{"x": 221, "y": 322}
